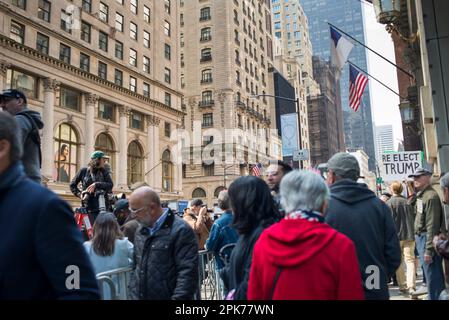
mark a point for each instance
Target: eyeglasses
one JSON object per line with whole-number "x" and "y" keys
{"x": 135, "y": 211}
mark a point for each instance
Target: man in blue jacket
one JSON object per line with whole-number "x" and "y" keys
{"x": 41, "y": 253}
{"x": 355, "y": 211}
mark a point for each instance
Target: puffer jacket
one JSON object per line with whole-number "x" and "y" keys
{"x": 166, "y": 263}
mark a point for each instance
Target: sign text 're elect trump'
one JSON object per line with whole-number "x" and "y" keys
{"x": 398, "y": 165}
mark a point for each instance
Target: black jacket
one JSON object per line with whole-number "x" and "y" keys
{"x": 103, "y": 181}
{"x": 39, "y": 243}
{"x": 403, "y": 216}
{"x": 355, "y": 211}
{"x": 166, "y": 263}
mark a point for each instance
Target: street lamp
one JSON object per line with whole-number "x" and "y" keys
{"x": 407, "y": 111}
{"x": 296, "y": 101}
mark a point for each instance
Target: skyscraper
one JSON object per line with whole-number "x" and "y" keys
{"x": 346, "y": 15}
{"x": 384, "y": 139}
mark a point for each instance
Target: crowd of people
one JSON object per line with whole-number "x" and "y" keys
{"x": 294, "y": 235}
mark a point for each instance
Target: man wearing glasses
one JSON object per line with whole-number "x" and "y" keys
{"x": 165, "y": 251}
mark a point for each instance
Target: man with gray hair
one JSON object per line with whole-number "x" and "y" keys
{"x": 222, "y": 232}
{"x": 355, "y": 211}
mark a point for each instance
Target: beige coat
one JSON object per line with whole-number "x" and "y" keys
{"x": 201, "y": 224}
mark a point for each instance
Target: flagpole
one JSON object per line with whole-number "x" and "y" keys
{"x": 376, "y": 79}
{"x": 362, "y": 44}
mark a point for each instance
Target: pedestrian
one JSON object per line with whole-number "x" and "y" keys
{"x": 200, "y": 221}
{"x": 165, "y": 251}
{"x": 41, "y": 248}
{"x": 96, "y": 184}
{"x": 404, "y": 218}
{"x": 222, "y": 232}
{"x": 127, "y": 222}
{"x": 274, "y": 174}
{"x": 429, "y": 222}
{"x": 109, "y": 250}
{"x": 254, "y": 210}
{"x": 300, "y": 258}
{"x": 30, "y": 122}
{"x": 355, "y": 211}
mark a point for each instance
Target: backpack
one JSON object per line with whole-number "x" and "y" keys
{"x": 34, "y": 134}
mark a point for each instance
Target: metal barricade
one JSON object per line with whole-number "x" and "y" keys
{"x": 209, "y": 280}
{"x": 113, "y": 284}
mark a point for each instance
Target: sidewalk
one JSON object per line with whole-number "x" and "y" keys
{"x": 395, "y": 294}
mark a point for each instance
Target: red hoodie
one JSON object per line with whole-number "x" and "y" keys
{"x": 316, "y": 261}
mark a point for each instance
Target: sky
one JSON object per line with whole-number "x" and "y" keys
{"x": 384, "y": 103}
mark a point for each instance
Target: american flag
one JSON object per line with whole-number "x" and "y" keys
{"x": 357, "y": 84}
{"x": 257, "y": 170}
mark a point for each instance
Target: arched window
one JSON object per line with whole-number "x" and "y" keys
{"x": 205, "y": 34}
{"x": 167, "y": 171}
{"x": 135, "y": 163}
{"x": 206, "y": 96}
{"x": 206, "y": 76}
{"x": 105, "y": 143}
{"x": 198, "y": 193}
{"x": 218, "y": 190}
{"x": 66, "y": 153}
{"x": 206, "y": 54}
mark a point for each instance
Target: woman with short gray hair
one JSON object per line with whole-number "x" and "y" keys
{"x": 301, "y": 257}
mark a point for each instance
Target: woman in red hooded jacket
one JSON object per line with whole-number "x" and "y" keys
{"x": 301, "y": 257}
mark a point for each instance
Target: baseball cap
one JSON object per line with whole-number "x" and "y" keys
{"x": 13, "y": 93}
{"x": 420, "y": 172}
{"x": 97, "y": 155}
{"x": 344, "y": 165}
{"x": 121, "y": 205}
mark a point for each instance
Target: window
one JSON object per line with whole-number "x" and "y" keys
{"x": 146, "y": 90}
{"x": 119, "y": 50}
{"x": 135, "y": 163}
{"x": 64, "y": 53}
{"x": 167, "y": 129}
{"x": 207, "y": 96}
{"x": 136, "y": 120}
{"x": 146, "y": 14}
{"x": 133, "y": 6}
{"x": 167, "y": 28}
{"x": 237, "y": 77}
{"x": 168, "y": 99}
{"x": 105, "y": 143}
{"x": 146, "y": 39}
{"x": 69, "y": 98}
{"x": 17, "y": 32}
{"x": 206, "y": 34}
{"x": 118, "y": 77}
{"x": 167, "y": 52}
{"x": 103, "y": 41}
{"x": 84, "y": 62}
{"x": 20, "y": 3}
{"x": 206, "y": 76}
{"x": 42, "y": 43}
{"x": 133, "y": 30}
{"x": 66, "y": 21}
{"x": 198, "y": 193}
{"x": 167, "y": 75}
{"x": 205, "y": 14}
{"x": 146, "y": 64}
{"x": 208, "y": 169}
{"x": 133, "y": 84}
{"x": 206, "y": 54}
{"x": 43, "y": 10}
{"x": 167, "y": 172}
{"x": 104, "y": 12}
{"x": 85, "y": 31}
{"x": 66, "y": 157}
{"x": 133, "y": 57}
{"x": 102, "y": 70}
{"x": 22, "y": 81}
{"x": 208, "y": 120}
{"x": 118, "y": 22}
{"x": 87, "y": 6}
{"x": 167, "y": 6}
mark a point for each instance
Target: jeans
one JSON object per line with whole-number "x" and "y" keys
{"x": 407, "y": 260}
{"x": 433, "y": 271}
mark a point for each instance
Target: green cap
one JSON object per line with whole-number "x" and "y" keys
{"x": 97, "y": 155}
{"x": 344, "y": 165}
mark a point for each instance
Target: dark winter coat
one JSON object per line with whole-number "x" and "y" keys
{"x": 41, "y": 249}
{"x": 403, "y": 216}
{"x": 166, "y": 263}
{"x": 355, "y": 211}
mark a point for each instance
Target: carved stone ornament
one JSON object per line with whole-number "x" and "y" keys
{"x": 153, "y": 120}
{"x": 50, "y": 84}
{"x": 4, "y": 66}
{"x": 192, "y": 101}
{"x": 91, "y": 98}
{"x": 124, "y": 111}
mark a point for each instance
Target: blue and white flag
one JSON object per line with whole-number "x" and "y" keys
{"x": 340, "y": 49}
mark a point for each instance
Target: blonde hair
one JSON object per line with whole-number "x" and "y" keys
{"x": 396, "y": 187}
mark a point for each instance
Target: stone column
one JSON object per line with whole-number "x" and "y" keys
{"x": 123, "y": 149}
{"x": 48, "y": 115}
{"x": 154, "y": 158}
{"x": 91, "y": 101}
{"x": 3, "y": 68}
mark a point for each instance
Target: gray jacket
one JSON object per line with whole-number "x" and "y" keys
{"x": 31, "y": 149}
{"x": 403, "y": 217}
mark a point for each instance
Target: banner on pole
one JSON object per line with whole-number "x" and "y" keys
{"x": 398, "y": 165}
